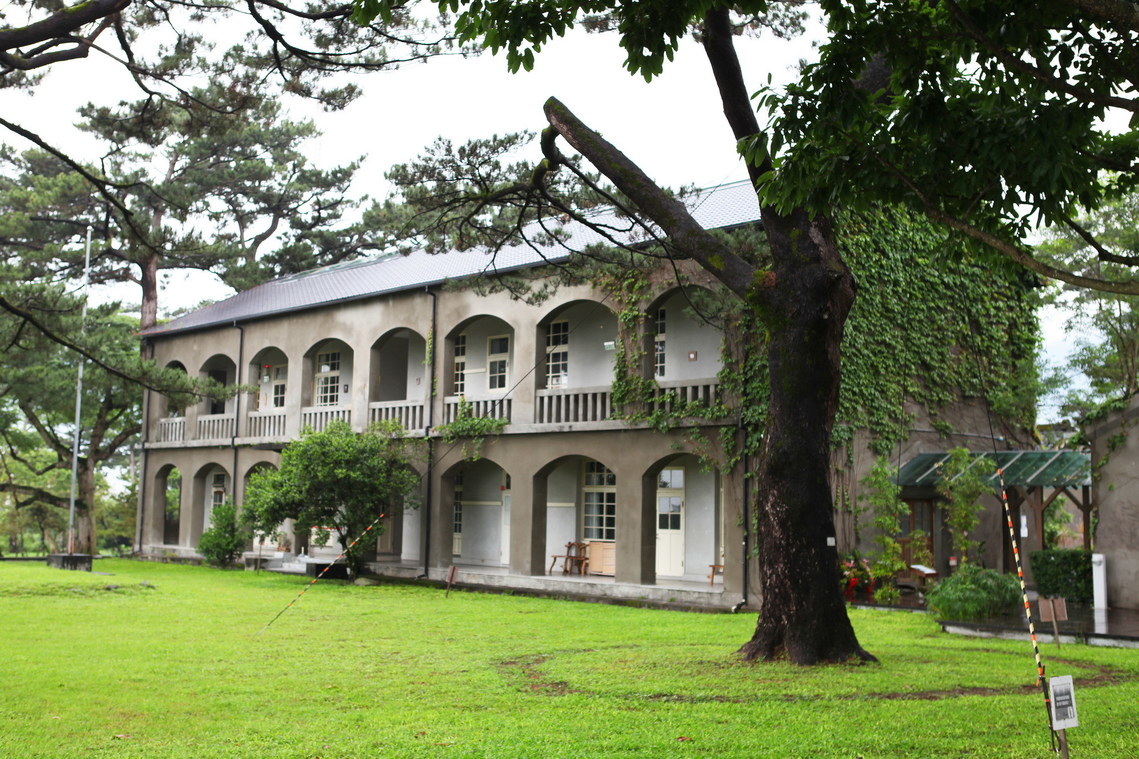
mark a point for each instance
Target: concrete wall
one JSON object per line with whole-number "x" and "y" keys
{"x": 1116, "y": 490}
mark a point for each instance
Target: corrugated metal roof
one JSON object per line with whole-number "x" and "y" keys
{"x": 729, "y": 205}
{"x": 1049, "y": 469}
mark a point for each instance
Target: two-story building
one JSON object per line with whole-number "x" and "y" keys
{"x": 399, "y": 337}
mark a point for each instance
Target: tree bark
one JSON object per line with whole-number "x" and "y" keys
{"x": 802, "y": 614}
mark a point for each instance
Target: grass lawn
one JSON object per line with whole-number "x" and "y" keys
{"x": 172, "y": 663}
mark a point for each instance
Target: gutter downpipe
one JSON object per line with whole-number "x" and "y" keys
{"x": 237, "y": 405}
{"x": 140, "y": 511}
{"x": 746, "y": 518}
{"x": 427, "y": 434}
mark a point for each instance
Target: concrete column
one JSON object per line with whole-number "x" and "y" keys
{"x": 522, "y": 409}
{"x": 731, "y": 516}
{"x": 528, "y": 525}
{"x": 189, "y": 510}
{"x": 636, "y": 530}
{"x": 442, "y": 510}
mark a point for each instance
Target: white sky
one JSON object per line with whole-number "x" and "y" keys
{"x": 673, "y": 127}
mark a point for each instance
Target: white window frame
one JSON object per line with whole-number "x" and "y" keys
{"x": 659, "y": 324}
{"x": 497, "y": 379}
{"x": 459, "y": 372}
{"x": 326, "y": 379}
{"x": 599, "y": 489}
{"x": 557, "y": 354}
{"x": 457, "y": 517}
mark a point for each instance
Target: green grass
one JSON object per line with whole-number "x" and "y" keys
{"x": 172, "y": 663}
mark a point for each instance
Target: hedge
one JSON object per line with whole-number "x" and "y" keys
{"x": 1063, "y": 573}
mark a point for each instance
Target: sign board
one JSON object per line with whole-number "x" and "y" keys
{"x": 1063, "y": 703}
{"x": 1053, "y": 609}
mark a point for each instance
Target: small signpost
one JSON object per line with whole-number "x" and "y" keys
{"x": 452, "y": 573}
{"x": 1063, "y": 709}
{"x": 1053, "y": 610}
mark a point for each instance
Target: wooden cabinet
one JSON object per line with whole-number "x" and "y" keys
{"x": 602, "y": 557}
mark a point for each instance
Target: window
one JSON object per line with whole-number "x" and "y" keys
{"x": 599, "y": 503}
{"x": 459, "y": 377}
{"x": 457, "y": 517}
{"x": 557, "y": 354}
{"x": 670, "y": 499}
{"x": 217, "y": 496}
{"x": 497, "y": 362}
{"x": 328, "y": 378}
{"x": 658, "y": 344}
{"x": 272, "y": 393}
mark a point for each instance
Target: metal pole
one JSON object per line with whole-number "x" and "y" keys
{"x": 78, "y": 407}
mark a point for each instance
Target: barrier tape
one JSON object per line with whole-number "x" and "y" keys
{"x": 1040, "y": 678}
{"x": 322, "y": 572}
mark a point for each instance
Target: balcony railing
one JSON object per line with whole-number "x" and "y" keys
{"x": 408, "y": 413}
{"x": 574, "y": 406}
{"x": 681, "y": 393}
{"x": 171, "y": 430}
{"x": 318, "y": 417}
{"x": 497, "y": 408}
{"x": 266, "y": 424}
{"x": 216, "y": 426}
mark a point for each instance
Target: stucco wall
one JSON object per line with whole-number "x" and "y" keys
{"x": 1116, "y": 490}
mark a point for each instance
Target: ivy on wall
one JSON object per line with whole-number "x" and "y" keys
{"x": 931, "y": 324}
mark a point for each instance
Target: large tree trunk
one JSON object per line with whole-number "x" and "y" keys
{"x": 802, "y": 614}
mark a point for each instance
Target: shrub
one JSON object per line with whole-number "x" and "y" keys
{"x": 973, "y": 593}
{"x": 226, "y": 539}
{"x": 1063, "y": 573}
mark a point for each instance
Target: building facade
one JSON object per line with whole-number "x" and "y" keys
{"x": 401, "y": 338}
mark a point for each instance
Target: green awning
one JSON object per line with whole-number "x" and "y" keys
{"x": 1049, "y": 469}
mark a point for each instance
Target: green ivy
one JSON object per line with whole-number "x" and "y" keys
{"x": 470, "y": 429}
{"x": 931, "y": 324}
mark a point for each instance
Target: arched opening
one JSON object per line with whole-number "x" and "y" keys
{"x": 578, "y": 344}
{"x": 399, "y": 383}
{"x": 688, "y": 518}
{"x": 580, "y": 495}
{"x": 480, "y": 514}
{"x": 269, "y": 373}
{"x": 212, "y": 486}
{"x": 327, "y": 384}
{"x": 480, "y": 369}
{"x": 168, "y": 494}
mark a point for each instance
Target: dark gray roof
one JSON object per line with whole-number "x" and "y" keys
{"x": 722, "y": 207}
{"x": 1049, "y": 469}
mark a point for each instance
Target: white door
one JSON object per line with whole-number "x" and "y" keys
{"x": 670, "y": 523}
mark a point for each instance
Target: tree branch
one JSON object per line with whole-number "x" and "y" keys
{"x": 684, "y": 233}
{"x": 61, "y": 23}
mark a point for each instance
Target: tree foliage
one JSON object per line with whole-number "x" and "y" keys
{"x": 1105, "y": 325}
{"x": 38, "y": 380}
{"x": 989, "y": 117}
{"x": 188, "y": 187}
{"x": 226, "y": 537}
{"x": 339, "y": 481}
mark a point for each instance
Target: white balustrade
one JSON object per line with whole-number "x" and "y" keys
{"x": 171, "y": 430}
{"x": 319, "y": 417}
{"x": 216, "y": 426}
{"x": 408, "y": 413}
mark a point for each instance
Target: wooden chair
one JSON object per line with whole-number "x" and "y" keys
{"x": 575, "y": 557}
